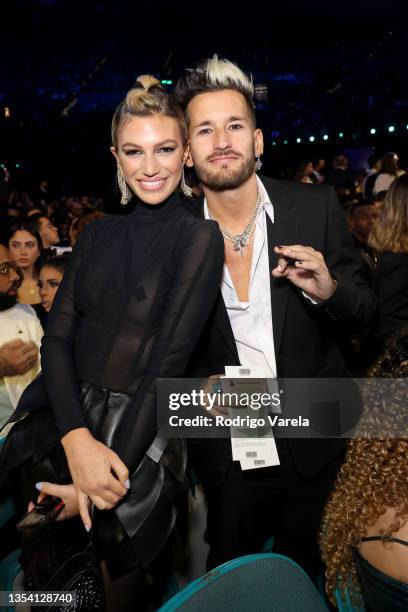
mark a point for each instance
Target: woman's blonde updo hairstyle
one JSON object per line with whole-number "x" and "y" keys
{"x": 146, "y": 98}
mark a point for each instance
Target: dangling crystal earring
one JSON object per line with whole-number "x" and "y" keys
{"x": 186, "y": 189}
{"x": 124, "y": 189}
{"x": 258, "y": 163}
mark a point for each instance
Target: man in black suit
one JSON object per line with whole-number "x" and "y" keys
{"x": 290, "y": 277}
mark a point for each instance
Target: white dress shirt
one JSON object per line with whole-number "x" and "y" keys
{"x": 251, "y": 321}
{"x": 19, "y": 322}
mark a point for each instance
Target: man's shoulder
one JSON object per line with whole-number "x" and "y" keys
{"x": 279, "y": 189}
{"x": 19, "y": 311}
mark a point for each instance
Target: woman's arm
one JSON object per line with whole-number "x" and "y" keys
{"x": 91, "y": 463}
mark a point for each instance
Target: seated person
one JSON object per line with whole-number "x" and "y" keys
{"x": 364, "y": 537}
{"x": 49, "y": 279}
{"x": 20, "y": 337}
{"x": 362, "y": 217}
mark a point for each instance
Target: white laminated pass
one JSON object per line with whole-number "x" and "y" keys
{"x": 253, "y": 447}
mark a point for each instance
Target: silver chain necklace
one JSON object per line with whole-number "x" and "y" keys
{"x": 240, "y": 241}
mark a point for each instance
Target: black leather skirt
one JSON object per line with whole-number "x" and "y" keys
{"x": 136, "y": 530}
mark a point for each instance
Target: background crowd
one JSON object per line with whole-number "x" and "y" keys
{"x": 334, "y": 117}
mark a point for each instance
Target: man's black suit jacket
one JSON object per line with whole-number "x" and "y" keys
{"x": 303, "y": 333}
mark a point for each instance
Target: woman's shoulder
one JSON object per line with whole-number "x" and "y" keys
{"x": 203, "y": 229}
{"x": 389, "y": 259}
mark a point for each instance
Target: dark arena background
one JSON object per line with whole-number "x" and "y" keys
{"x": 330, "y": 77}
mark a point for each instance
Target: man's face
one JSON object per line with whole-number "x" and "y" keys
{"x": 223, "y": 141}
{"x": 48, "y": 232}
{"x": 363, "y": 220}
{"x": 9, "y": 277}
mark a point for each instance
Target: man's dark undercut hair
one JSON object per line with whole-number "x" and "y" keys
{"x": 214, "y": 74}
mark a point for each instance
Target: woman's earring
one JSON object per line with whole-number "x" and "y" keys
{"x": 258, "y": 163}
{"x": 124, "y": 189}
{"x": 186, "y": 189}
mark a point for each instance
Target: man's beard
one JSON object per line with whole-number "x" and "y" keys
{"x": 226, "y": 178}
{"x": 7, "y": 301}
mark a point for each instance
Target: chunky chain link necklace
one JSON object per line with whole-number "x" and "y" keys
{"x": 240, "y": 241}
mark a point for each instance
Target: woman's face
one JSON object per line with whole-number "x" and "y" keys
{"x": 48, "y": 283}
{"x": 24, "y": 249}
{"x": 151, "y": 154}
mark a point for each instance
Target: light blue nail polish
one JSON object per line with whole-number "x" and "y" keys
{"x": 127, "y": 484}
{"x": 38, "y": 486}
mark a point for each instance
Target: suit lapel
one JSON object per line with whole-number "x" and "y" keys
{"x": 221, "y": 318}
{"x": 283, "y": 231}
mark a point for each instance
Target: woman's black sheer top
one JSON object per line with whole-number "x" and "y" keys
{"x": 134, "y": 299}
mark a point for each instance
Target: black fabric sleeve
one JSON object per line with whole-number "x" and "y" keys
{"x": 352, "y": 303}
{"x": 57, "y": 348}
{"x": 194, "y": 289}
{"x": 392, "y": 287}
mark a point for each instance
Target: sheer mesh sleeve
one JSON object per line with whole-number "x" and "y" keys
{"x": 194, "y": 289}
{"x": 57, "y": 349}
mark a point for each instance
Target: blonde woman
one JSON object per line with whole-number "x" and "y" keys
{"x": 134, "y": 299}
{"x": 389, "y": 237}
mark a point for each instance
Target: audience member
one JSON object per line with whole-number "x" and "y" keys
{"x": 319, "y": 165}
{"x": 378, "y": 200}
{"x": 304, "y": 172}
{"x": 389, "y": 236}
{"x": 49, "y": 279}
{"x": 364, "y": 537}
{"x": 389, "y": 171}
{"x": 47, "y": 230}
{"x": 25, "y": 248}
{"x": 20, "y": 336}
{"x": 374, "y": 163}
{"x": 340, "y": 177}
{"x": 362, "y": 217}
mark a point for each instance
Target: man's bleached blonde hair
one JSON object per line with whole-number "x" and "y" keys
{"x": 214, "y": 74}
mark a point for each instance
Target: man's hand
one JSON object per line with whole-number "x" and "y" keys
{"x": 17, "y": 357}
{"x": 306, "y": 269}
{"x": 213, "y": 386}
{"x": 97, "y": 472}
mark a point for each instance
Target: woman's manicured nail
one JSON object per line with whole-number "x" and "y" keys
{"x": 87, "y": 528}
{"x": 127, "y": 484}
{"x": 280, "y": 269}
{"x": 38, "y": 486}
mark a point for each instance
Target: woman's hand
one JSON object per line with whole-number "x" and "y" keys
{"x": 97, "y": 472}
{"x": 65, "y": 492}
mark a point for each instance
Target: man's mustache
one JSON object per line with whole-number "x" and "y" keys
{"x": 214, "y": 156}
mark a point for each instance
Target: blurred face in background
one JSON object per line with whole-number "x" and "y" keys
{"x": 362, "y": 221}
{"x": 9, "y": 277}
{"x": 9, "y": 280}
{"x": 24, "y": 249}
{"x": 48, "y": 232}
{"x": 48, "y": 282}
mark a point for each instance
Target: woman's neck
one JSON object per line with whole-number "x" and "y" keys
{"x": 29, "y": 274}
